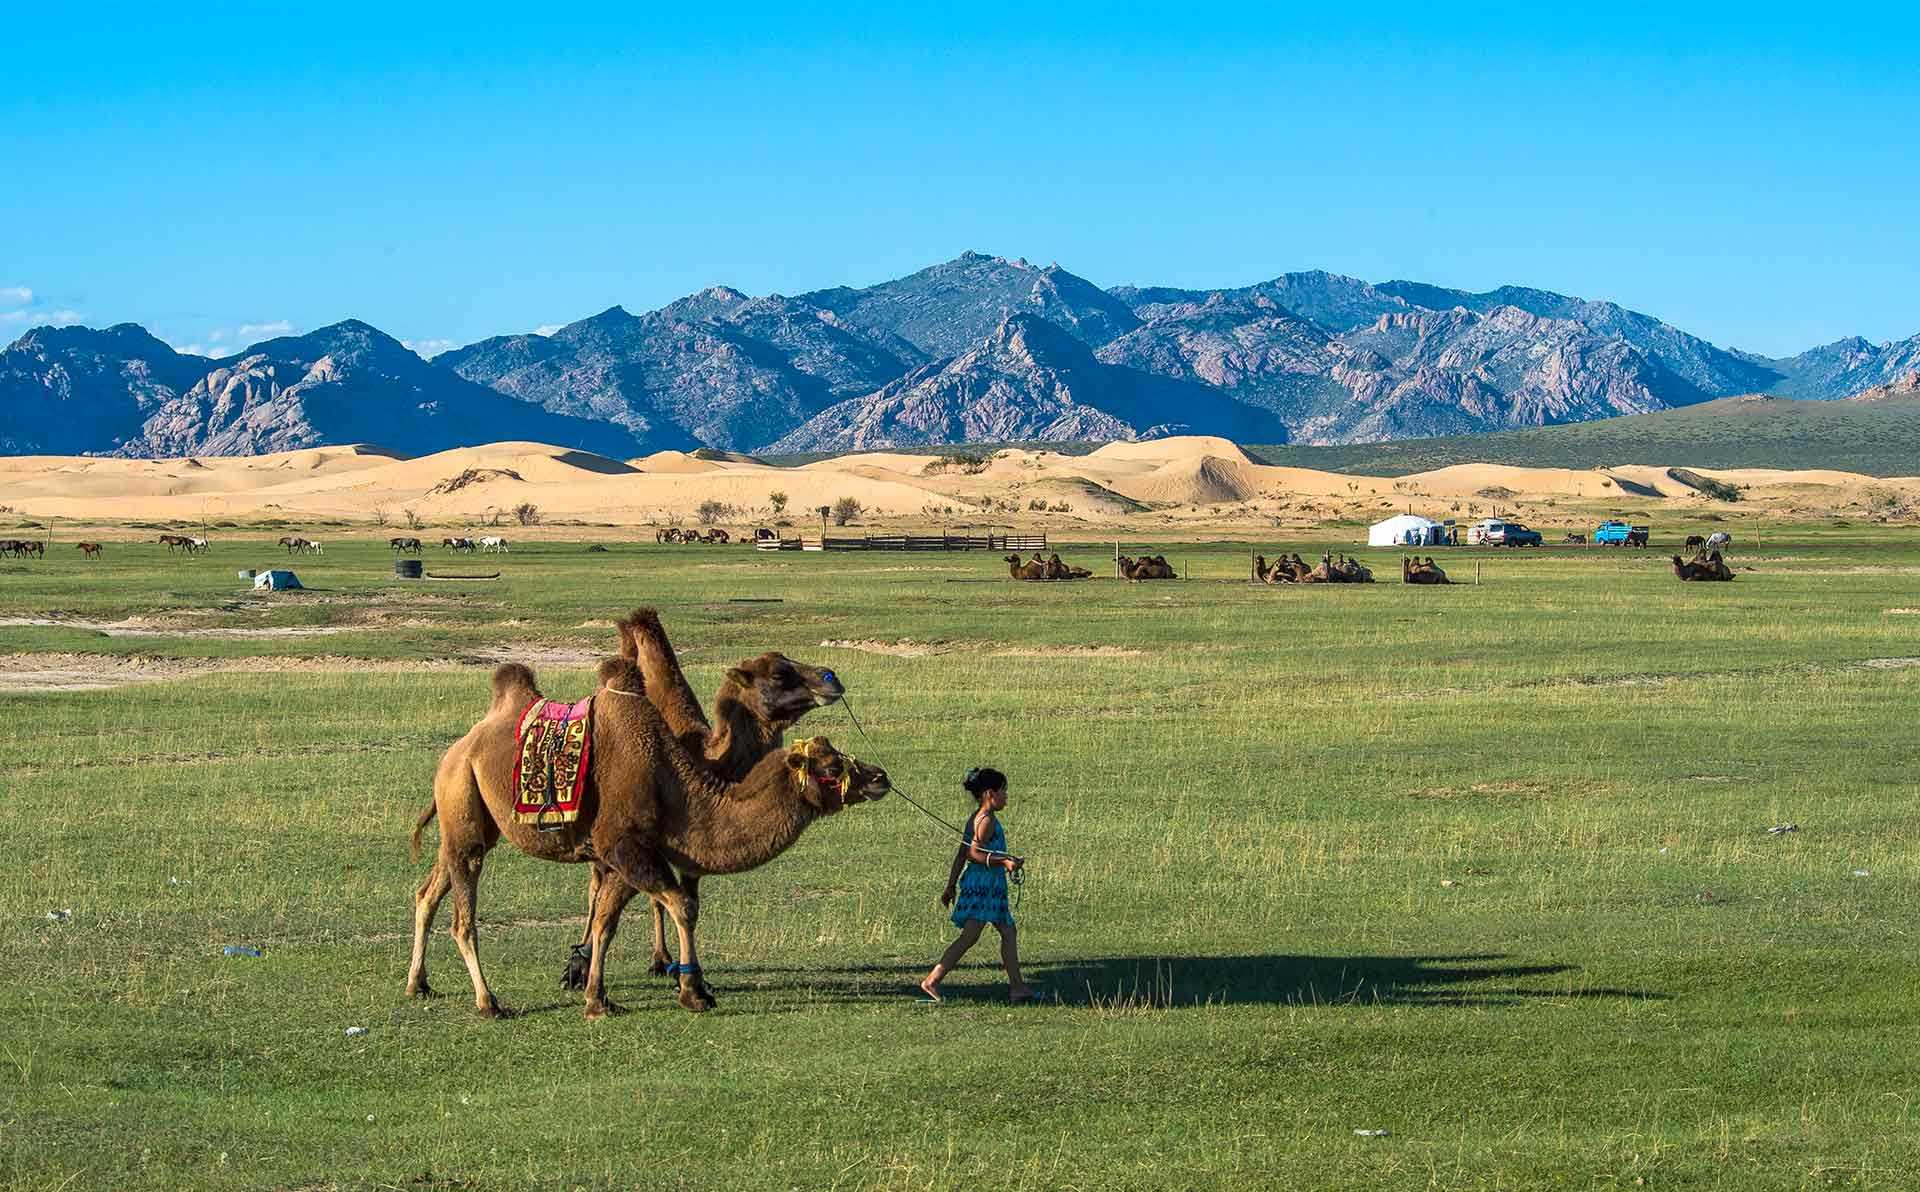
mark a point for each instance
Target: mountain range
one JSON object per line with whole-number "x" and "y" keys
{"x": 976, "y": 349}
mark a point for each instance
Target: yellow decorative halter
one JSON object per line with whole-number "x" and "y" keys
{"x": 801, "y": 748}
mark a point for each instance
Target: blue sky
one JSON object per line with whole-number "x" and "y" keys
{"x": 451, "y": 173}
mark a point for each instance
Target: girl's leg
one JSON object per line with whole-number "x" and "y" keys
{"x": 1017, "y": 989}
{"x": 958, "y": 948}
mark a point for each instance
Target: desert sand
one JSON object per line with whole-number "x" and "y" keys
{"x": 1191, "y": 480}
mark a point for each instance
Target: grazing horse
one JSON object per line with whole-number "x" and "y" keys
{"x": 1695, "y": 542}
{"x": 457, "y": 544}
{"x": 1719, "y": 540}
{"x": 89, "y": 549}
{"x": 170, "y": 541}
{"x": 494, "y": 543}
{"x": 404, "y": 544}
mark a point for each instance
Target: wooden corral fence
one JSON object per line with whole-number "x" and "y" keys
{"x": 915, "y": 542}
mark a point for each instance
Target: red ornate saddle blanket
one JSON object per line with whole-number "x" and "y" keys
{"x": 550, "y": 770}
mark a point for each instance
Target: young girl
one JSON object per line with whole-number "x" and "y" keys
{"x": 982, "y": 887}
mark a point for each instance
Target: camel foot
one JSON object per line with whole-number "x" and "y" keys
{"x": 575, "y": 975}
{"x": 659, "y": 966}
{"x": 696, "y": 1000}
{"x": 490, "y": 1008}
{"x": 420, "y": 989}
{"x": 603, "y": 1008}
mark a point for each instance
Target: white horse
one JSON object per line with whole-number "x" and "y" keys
{"x": 494, "y": 543}
{"x": 1719, "y": 540}
{"x": 313, "y": 546}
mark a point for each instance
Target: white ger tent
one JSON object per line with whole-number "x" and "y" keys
{"x": 1407, "y": 529}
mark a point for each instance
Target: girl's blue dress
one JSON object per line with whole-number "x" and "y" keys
{"x": 983, "y": 888}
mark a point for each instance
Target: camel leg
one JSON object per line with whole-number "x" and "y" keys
{"x": 464, "y": 874}
{"x": 644, "y": 869}
{"x": 661, "y": 958}
{"x": 614, "y": 897}
{"x": 426, "y": 903}
{"x": 575, "y": 975}
{"x": 685, "y": 909}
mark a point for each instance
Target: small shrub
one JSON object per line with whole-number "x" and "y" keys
{"x": 380, "y": 517}
{"x": 527, "y": 513}
{"x": 845, "y": 510}
{"x": 1037, "y": 505}
{"x": 413, "y": 518}
{"x": 712, "y": 511}
{"x": 778, "y": 501}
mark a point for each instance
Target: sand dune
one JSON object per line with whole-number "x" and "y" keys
{"x": 1189, "y": 477}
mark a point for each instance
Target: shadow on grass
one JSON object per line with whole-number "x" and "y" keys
{"x": 1165, "y": 982}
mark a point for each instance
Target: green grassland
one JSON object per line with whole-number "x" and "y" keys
{"x": 1483, "y": 866}
{"x": 1878, "y": 438}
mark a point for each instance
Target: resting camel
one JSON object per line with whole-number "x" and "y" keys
{"x": 1709, "y": 567}
{"x": 649, "y": 806}
{"x": 90, "y": 549}
{"x": 1053, "y": 568}
{"x": 1421, "y": 571}
{"x": 757, "y": 703}
{"x": 1149, "y": 567}
{"x": 1016, "y": 569}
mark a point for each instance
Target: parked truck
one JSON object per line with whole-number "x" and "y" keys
{"x": 1614, "y": 532}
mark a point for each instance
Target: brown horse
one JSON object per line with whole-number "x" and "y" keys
{"x": 89, "y": 549}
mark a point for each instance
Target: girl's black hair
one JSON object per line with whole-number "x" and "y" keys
{"x": 982, "y": 779}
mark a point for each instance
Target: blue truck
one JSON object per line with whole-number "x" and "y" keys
{"x": 1618, "y": 533}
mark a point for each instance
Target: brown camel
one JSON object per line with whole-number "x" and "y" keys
{"x": 649, "y": 806}
{"x": 1710, "y": 568}
{"x": 758, "y": 701}
{"x": 1421, "y": 571}
{"x": 1146, "y": 567}
{"x": 1016, "y": 569}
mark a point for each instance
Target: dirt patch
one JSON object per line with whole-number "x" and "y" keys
{"x": 1890, "y": 663}
{"x": 99, "y": 672}
{"x": 537, "y": 656}
{"x": 900, "y": 649}
{"x": 146, "y": 627}
{"x": 1903, "y": 612}
{"x": 1069, "y": 652}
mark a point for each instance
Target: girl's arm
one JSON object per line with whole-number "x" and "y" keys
{"x": 959, "y": 863}
{"x": 979, "y": 855}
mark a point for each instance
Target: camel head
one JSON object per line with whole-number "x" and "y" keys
{"x": 779, "y": 690}
{"x": 831, "y": 780}
{"x": 1013, "y": 560}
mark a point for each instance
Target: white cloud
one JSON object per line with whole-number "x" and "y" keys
{"x": 428, "y": 348}
{"x": 15, "y": 296}
{"x": 548, "y": 328}
{"x": 276, "y": 327}
{"x": 62, "y": 318}
{"x": 14, "y": 316}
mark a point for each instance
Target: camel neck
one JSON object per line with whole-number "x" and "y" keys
{"x": 740, "y": 739}
{"x": 732, "y": 827}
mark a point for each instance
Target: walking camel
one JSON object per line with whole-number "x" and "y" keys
{"x": 649, "y": 806}
{"x": 758, "y": 701}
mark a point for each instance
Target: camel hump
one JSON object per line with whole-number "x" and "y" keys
{"x": 623, "y": 674}
{"x": 513, "y": 682}
{"x": 640, "y": 621}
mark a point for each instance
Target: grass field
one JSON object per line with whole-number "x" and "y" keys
{"x": 1879, "y": 438}
{"x": 1485, "y": 867}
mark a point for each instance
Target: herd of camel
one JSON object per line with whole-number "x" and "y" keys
{"x": 1049, "y": 568}
{"x": 674, "y": 534}
{"x": 671, "y": 796}
{"x": 1339, "y": 569}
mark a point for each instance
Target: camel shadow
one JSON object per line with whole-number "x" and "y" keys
{"x": 1167, "y": 982}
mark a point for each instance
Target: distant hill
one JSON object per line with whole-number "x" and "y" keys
{"x": 1304, "y": 358}
{"x": 347, "y": 383}
{"x": 1876, "y": 433}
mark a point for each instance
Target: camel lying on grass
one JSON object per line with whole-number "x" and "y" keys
{"x": 1706, "y": 566}
{"x": 1421, "y": 571}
